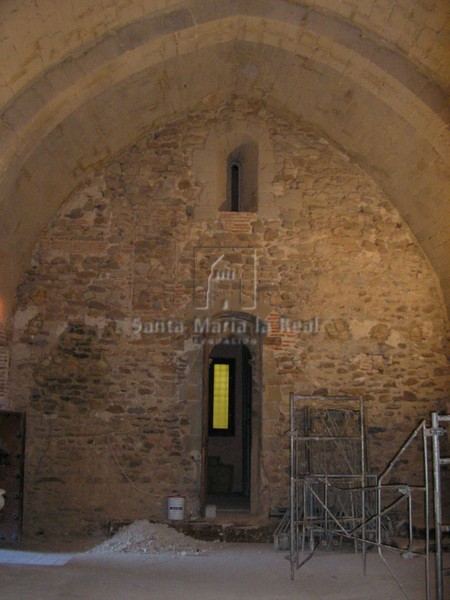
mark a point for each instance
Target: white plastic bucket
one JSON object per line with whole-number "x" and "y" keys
{"x": 210, "y": 511}
{"x": 175, "y": 508}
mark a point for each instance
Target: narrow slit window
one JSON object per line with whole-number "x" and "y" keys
{"x": 241, "y": 179}
{"x": 235, "y": 187}
{"x": 221, "y": 403}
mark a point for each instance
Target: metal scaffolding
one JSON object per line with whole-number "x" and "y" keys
{"x": 328, "y": 471}
{"x": 436, "y": 432}
{"x": 334, "y": 497}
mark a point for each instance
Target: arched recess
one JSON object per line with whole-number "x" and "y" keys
{"x": 234, "y": 338}
{"x": 235, "y": 141}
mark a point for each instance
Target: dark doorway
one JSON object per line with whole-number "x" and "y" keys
{"x": 12, "y": 445}
{"x": 228, "y": 457}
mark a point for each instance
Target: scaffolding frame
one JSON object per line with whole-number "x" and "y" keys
{"x": 436, "y": 432}
{"x": 310, "y": 512}
{"x": 327, "y": 523}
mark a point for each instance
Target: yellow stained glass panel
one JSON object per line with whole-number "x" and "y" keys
{"x": 221, "y": 396}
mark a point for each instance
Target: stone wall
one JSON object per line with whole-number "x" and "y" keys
{"x": 4, "y": 364}
{"x": 104, "y": 360}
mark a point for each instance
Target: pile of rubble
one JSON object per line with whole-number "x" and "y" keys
{"x": 152, "y": 538}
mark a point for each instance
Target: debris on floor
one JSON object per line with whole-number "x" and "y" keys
{"x": 152, "y": 538}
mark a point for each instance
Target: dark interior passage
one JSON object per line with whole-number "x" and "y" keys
{"x": 229, "y": 427}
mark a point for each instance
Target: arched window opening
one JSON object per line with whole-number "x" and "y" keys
{"x": 242, "y": 179}
{"x": 235, "y": 187}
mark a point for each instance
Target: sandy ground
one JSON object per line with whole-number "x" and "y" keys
{"x": 230, "y": 571}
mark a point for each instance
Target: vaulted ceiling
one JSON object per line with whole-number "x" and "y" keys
{"x": 80, "y": 79}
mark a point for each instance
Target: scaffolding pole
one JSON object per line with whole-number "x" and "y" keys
{"x": 436, "y": 432}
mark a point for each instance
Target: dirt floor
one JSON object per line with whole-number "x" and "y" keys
{"x": 227, "y": 571}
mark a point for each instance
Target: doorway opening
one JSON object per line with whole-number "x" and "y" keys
{"x": 229, "y": 428}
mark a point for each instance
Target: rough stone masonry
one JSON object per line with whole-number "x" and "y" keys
{"x": 113, "y": 414}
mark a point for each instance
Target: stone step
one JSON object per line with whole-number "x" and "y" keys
{"x": 223, "y": 528}
{"x": 227, "y": 531}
